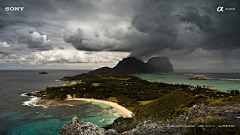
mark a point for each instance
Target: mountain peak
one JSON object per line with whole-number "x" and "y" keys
{"x": 132, "y": 65}
{"x": 160, "y": 64}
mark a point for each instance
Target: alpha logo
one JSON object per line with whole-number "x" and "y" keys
{"x": 14, "y": 8}
{"x": 220, "y": 9}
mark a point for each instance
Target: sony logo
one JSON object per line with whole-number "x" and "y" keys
{"x": 14, "y": 8}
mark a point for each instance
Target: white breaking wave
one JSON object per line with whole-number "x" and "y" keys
{"x": 199, "y": 75}
{"x": 234, "y": 79}
{"x": 116, "y": 115}
{"x": 189, "y": 74}
{"x": 33, "y": 102}
{"x": 24, "y": 95}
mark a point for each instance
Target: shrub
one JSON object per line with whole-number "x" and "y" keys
{"x": 206, "y": 101}
{"x": 178, "y": 112}
{"x": 216, "y": 103}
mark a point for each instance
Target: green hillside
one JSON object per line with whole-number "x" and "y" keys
{"x": 164, "y": 106}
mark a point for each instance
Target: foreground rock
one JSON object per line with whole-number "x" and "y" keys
{"x": 84, "y": 128}
{"x": 173, "y": 127}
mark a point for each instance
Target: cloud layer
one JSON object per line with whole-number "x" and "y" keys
{"x": 185, "y": 31}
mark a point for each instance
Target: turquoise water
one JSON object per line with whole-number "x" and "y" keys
{"x": 19, "y": 119}
{"x": 222, "y": 83}
{"x": 43, "y": 123}
{"x": 50, "y": 120}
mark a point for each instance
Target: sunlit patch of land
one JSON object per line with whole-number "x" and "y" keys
{"x": 113, "y": 99}
{"x": 95, "y": 84}
{"x": 144, "y": 102}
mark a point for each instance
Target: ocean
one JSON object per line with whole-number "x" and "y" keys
{"x": 223, "y": 81}
{"x": 16, "y": 118}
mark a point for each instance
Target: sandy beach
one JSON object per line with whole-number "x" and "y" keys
{"x": 112, "y": 104}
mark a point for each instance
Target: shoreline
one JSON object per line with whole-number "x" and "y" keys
{"x": 45, "y": 103}
{"x": 209, "y": 87}
{"x": 212, "y": 88}
{"x": 122, "y": 109}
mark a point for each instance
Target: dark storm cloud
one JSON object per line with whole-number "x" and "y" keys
{"x": 222, "y": 30}
{"x": 217, "y": 30}
{"x": 142, "y": 28}
{"x": 203, "y": 22}
{"x": 5, "y": 53}
{"x": 159, "y": 25}
{"x": 41, "y": 16}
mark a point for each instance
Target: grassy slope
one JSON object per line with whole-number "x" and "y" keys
{"x": 163, "y": 107}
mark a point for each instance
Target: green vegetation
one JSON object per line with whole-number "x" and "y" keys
{"x": 179, "y": 111}
{"x": 206, "y": 101}
{"x": 113, "y": 99}
{"x": 164, "y": 107}
{"x": 95, "y": 84}
{"x": 147, "y": 100}
{"x": 219, "y": 129}
{"x": 216, "y": 103}
{"x": 231, "y": 100}
{"x": 159, "y": 99}
{"x": 43, "y": 90}
{"x": 211, "y": 102}
{"x": 144, "y": 102}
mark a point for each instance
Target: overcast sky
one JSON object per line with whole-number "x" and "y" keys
{"x": 88, "y": 34}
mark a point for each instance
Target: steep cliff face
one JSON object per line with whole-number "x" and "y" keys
{"x": 131, "y": 65}
{"x": 160, "y": 64}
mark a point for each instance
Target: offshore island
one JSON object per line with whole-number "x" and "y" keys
{"x": 149, "y": 107}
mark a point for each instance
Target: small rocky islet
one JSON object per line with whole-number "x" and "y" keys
{"x": 43, "y": 72}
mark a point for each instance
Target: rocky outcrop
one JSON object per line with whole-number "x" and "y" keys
{"x": 197, "y": 78}
{"x": 43, "y": 72}
{"x": 172, "y": 127}
{"x": 160, "y": 64}
{"x": 203, "y": 113}
{"x": 84, "y": 128}
{"x": 149, "y": 128}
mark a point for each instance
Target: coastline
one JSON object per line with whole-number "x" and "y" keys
{"x": 209, "y": 87}
{"x": 212, "y": 88}
{"x": 45, "y": 103}
{"x": 125, "y": 111}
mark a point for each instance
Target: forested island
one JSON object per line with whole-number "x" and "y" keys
{"x": 155, "y": 101}
{"x": 147, "y": 100}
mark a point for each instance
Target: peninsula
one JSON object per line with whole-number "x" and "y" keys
{"x": 138, "y": 99}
